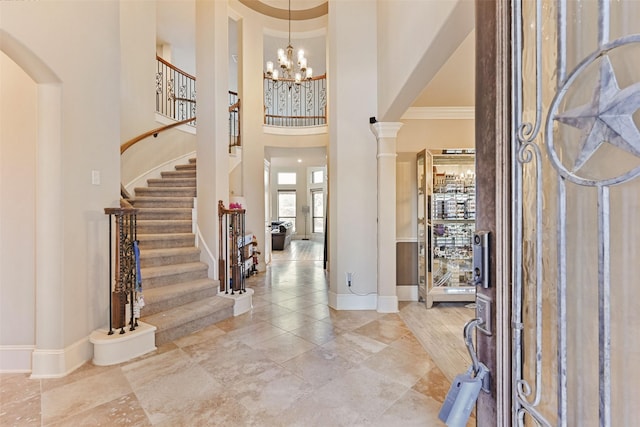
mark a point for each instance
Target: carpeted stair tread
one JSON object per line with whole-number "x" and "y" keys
{"x": 164, "y": 213}
{"x": 165, "y": 191}
{"x": 188, "y": 318}
{"x": 163, "y": 226}
{"x": 163, "y": 202}
{"x": 186, "y": 173}
{"x": 168, "y": 256}
{"x": 168, "y": 240}
{"x": 190, "y": 166}
{"x": 172, "y": 182}
{"x": 167, "y": 297}
{"x": 165, "y": 270}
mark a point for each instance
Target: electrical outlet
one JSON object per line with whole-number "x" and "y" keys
{"x": 483, "y": 312}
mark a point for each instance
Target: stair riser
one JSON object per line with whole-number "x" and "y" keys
{"x": 152, "y": 307}
{"x": 158, "y": 261}
{"x": 183, "y": 242}
{"x": 165, "y": 192}
{"x": 179, "y": 174}
{"x": 170, "y": 279}
{"x": 171, "y": 334}
{"x": 169, "y": 215}
{"x": 172, "y": 182}
{"x": 163, "y": 227}
{"x": 186, "y": 203}
{"x": 190, "y": 166}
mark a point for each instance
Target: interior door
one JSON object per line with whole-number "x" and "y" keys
{"x": 575, "y": 213}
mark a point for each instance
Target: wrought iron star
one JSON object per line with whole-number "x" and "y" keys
{"x": 607, "y": 118}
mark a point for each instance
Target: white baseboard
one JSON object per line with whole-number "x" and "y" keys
{"x": 407, "y": 292}
{"x": 15, "y": 358}
{"x": 352, "y": 302}
{"x": 58, "y": 363}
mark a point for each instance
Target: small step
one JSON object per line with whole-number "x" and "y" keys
{"x": 166, "y": 297}
{"x": 193, "y": 160}
{"x": 163, "y": 202}
{"x": 190, "y": 166}
{"x": 164, "y": 226}
{"x": 188, "y": 318}
{"x": 172, "y": 182}
{"x": 168, "y": 256}
{"x": 158, "y": 241}
{"x": 187, "y": 173}
{"x": 164, "y": 213}
{"x": 153, "y": 277}
{"x": 165, "y": 191}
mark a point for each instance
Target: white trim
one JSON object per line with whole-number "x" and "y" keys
{"x": 58, "y": 363}
{"x": 242, "y": 302}
{"x": 210, "y": 259}
{"x": 407, "y": 292}
{"x": 118, "y": 348}
{"x": 15, "y": 358}
{"x": 141, "y": 180}
{"x": 406, "y": 240}
{"x": 440, "y": 113}
{"x": 306, "y": 130}
{"x": 352, "y": 302}
{"x": 388, "y": 304}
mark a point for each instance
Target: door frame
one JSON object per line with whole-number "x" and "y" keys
{"x": 493, "y": 131}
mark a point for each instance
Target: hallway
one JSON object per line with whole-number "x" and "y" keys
{"x": 291, "y": 361}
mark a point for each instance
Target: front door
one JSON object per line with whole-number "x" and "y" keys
{"x": 575, "y": 213}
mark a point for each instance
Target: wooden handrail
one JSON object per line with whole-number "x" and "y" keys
{"x": 173, "y": 67}
{"x": 124, "y": 147}
{"x": 234, "y": 106}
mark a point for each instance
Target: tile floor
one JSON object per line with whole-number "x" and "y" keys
{"x": 292, "y": 361}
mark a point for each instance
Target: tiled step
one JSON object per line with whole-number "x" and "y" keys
{"x": 165, "y": 191}
{"x": 164, "y": 226}
{"x": 164, "y": 213}
{"x": 158, "y": 241}
{"x": 172, "y": 182}
{"x": 168, "y": 256}
{"x": 162, "y": 202}
{"x": 187, "y": 173}
{"x": 168, "y": 297}
{"x": 153, "y": 277}
{"x": 188, "y": 318}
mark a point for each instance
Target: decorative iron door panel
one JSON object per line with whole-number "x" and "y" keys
{"x": 576, "y": 211}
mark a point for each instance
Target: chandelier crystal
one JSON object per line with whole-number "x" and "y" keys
{"x": 291, "y": 71}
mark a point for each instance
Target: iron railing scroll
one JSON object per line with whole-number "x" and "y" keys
{"x": 175, "y": 92}
{"x": 231, "y": 267}
{"x": 123, "y": 279}
{"x": 290, "y": 104}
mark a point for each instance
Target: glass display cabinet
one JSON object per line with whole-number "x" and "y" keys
{"x": 445, "y": 235}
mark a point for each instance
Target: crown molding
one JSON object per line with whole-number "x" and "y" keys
{"x": 440, "y": 113}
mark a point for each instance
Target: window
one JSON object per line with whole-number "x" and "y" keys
{"x": 317, "y": 200}
{"x": 286, "y": 178}
{"x": 317, "y": 177}
{"x": 287, "y": 207}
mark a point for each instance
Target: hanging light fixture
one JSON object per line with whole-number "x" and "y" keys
{"x": 290, "y": 72}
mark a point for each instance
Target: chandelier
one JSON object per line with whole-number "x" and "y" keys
{"x": 291, "y": 71}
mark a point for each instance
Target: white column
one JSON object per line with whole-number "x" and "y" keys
{"x": 386, "y": 134}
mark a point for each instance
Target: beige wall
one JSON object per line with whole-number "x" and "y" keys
{"x": 79, "y": 42}
{"x": 18, "y": 116}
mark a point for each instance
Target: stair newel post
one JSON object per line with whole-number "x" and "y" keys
{"x": 110, "y": 274}
{"x": 222, "y": 254}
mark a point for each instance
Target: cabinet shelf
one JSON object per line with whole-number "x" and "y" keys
{"x": 445, "y": 242}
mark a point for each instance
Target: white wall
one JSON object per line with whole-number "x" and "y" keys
{"x": 79, "y": 42}
{"x": 18, "y": 127}
{"x": 352, "y": 153}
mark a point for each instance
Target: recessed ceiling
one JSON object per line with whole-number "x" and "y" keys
{"x": 300, "y": 9}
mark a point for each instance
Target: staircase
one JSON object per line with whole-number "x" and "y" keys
{"x": 179, "y": 297}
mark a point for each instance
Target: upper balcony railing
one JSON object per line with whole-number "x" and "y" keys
{"x": 175, "y": 92}
{"x": 290, "y": 104}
